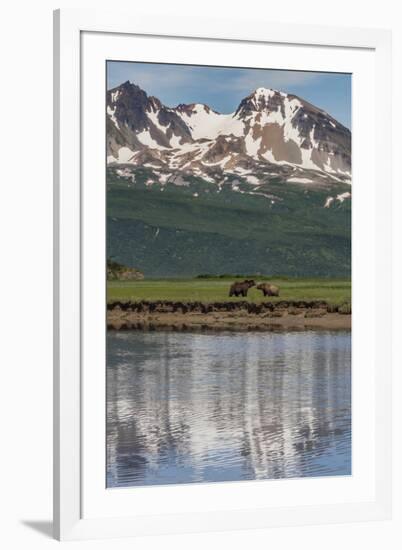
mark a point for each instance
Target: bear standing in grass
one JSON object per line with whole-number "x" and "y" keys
{"x": 241, "y": 289}
{"x": 268, "y": 290}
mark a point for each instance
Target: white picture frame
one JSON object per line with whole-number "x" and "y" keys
{"x": 80, "y": 509}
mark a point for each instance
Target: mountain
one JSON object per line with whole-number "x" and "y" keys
{"x": 271, "y": 134}
{"x": 265, "y": 189}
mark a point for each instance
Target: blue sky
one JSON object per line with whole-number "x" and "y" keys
{"x": 223, "y": 88}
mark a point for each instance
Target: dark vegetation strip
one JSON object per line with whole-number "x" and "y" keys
{"x": 166, "y": 306}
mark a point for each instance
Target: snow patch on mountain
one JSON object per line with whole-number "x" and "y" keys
{"x": 204, "y": 123}
{"x": 299, "y": 180}
{"x": 252, "y": 145}
{"x": 153, "y": 117}
{"x": 290, "y": 132}
{"x": 145, "y": 138}
{"x": 111, "y": 113}
{"x": 340, "y": 198}
{"x": 343, "y": 196}
{"x": 252, "y": 179}
{"x": 125, "y": 155}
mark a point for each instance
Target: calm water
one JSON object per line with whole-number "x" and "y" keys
{"x": 217, "y": 407}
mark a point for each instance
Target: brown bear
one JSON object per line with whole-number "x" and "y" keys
{"x": 241, "y": 288}
{"x": 268, "y": 290}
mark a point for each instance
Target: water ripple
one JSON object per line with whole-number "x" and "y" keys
{"x": 217, "y": 407}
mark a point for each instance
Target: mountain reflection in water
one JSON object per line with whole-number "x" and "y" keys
{"x": 187, "y": 408}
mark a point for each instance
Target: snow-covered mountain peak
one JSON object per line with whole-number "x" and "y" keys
{"x": 262, "y": 100}
{"x": 263, "y": 94}
{"x": 269, "y": 128}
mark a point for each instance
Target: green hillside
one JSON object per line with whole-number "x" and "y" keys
{"x": 169, "y": 232}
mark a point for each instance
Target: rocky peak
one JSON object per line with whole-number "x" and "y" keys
{"x": 139, "y": 121}
{"x": 129, "y": 103}
{"x": 262, "y": 99}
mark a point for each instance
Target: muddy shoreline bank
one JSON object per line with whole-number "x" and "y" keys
{"x": 227, "y": 316}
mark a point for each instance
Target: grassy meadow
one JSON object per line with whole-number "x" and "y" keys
{"x": 335, "y": 291}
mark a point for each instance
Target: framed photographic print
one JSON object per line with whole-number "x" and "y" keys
{"x": 222, "y": 275}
